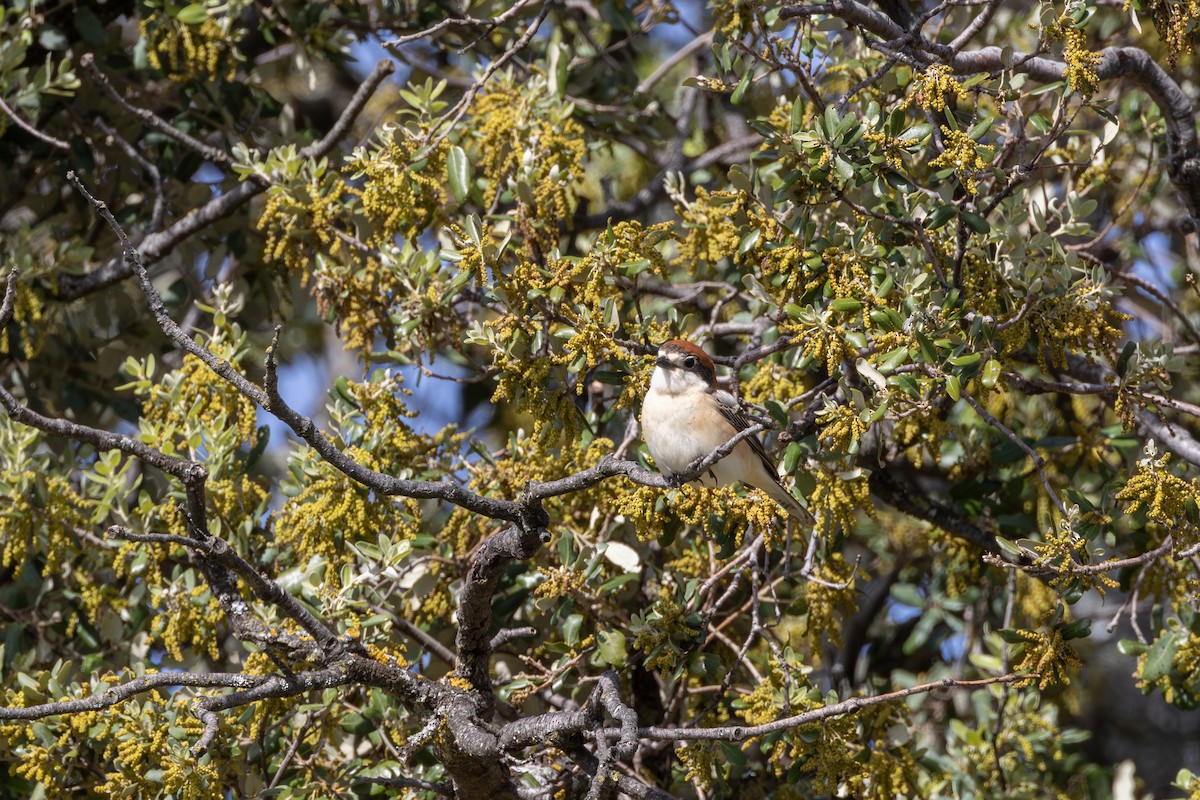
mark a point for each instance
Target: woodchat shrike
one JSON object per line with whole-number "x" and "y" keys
{"x": 685, "y": 417}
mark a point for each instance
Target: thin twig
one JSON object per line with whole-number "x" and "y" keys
{"x": 32, "y": 131}
{"x": 207, "y": 152}
{"x": 451, "y": 119}
{"x": 1038, "y": 462}
{"x": 740, "y": 733}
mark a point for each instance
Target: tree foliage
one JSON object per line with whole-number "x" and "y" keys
{"x": 944, "y": 256}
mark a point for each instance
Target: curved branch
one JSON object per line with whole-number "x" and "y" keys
{"x": 271, "y": 400}
{"x": 32, "y": 131}
{"x": 472, "y": 643}
{"x": 218, "y": 551}
{"x": 213, "y": 154}
{"x": 273, "y": 686}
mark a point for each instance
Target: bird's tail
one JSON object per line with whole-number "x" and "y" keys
{"x": 796, "y": 511}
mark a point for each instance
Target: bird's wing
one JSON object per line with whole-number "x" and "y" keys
{"x": 732, "y": 413}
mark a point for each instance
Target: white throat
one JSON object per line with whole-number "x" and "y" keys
{"x": 676, "y": 381}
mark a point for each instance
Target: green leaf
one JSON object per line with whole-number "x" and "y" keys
{"x": 558, "y": 61}
{"x": 907, "y": 594}
{"x": 260, "y": 446}
{"x": 733, "y": 754}
{"x": 1126, "y": 354}
{"x": 991, "y": 371}
{"x": 940, "y": 216}
{"x": 610, "y": 377}
{"x": 1011, "y": 636}
{"x": 975, "y": 222}
{"x": 740, "y": 90}
{"x": 525, "y": 192}
{"x": 928, "y": 351}
{"x": 52, "y": 38}
{"x": 193, "y": 14}
{"x": 748, "y": 241}
{"x": 1160, "y": 656}
{"x": 984, "y": 125}
{"x": 619, "y": 581}
{"x": 570, "y": 629}
{"x": 833, "y": 122}
{"x": 907, "y": 384}
{"x": 843, "y": 169}
{"x": 953, "y": 387}
{"x": 778, "y": 413}
{"x": 1007, "y": 547}
{"x": 886, "y": 286}
{"x": 1079, "y": 629}
{"x": 459, "y": 169}
{"x": 89, "y": 26}
{"x": 612, "y": 647}
{"x": 791, "y": 457}
{"x": 846, "y": 305}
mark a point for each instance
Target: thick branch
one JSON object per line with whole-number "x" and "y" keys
{"x": 274, "y": 686}
{"x": 919, "y": 505}
{"x": 471, "y": 753}
{"x": 473, "y": 644}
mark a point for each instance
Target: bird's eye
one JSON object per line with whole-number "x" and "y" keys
{"x": 689, "y": 362}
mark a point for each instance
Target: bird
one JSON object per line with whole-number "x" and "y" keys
{"x": 685, "y": 417}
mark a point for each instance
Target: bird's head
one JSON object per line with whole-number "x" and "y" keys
{"x": 682, "y": 367}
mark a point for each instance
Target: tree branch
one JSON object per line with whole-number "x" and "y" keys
{"x": 32, "y": 131}
{"x": 290, "y": 685}
{"x": 270, "y": 399}
{"x": 472, "y": 643}
{"x": 213, "y": 154}
{"x": 217, "y": 550}
{"x": 1039, "y": 463}
{"x": 740, "y": 733}
{"x": 122, "y": 692}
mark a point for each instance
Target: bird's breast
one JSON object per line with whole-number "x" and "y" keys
{"x": 678, "y": 429}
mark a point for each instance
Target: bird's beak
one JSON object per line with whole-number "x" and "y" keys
{"x": 664, "y": 362}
